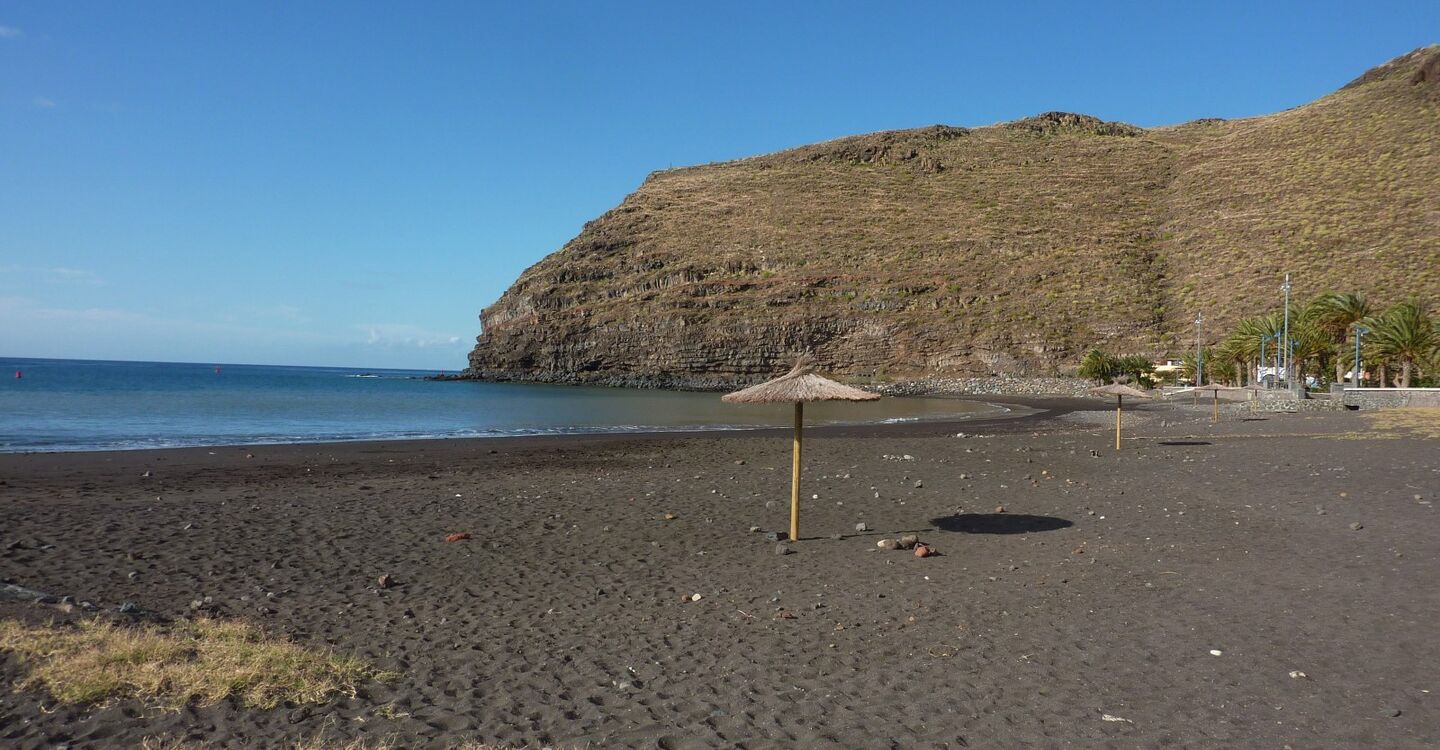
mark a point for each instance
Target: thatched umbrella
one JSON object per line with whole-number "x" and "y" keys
{"x": 1214, "y": 390}
{"x": 1119, "y": 391}
{"x": 797, "y": 387}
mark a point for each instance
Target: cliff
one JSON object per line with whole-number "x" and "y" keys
{"x": 1008, "y": 249}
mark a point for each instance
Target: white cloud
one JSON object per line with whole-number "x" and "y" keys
{"x": 404, "y": 335}
{"x": 44, "y": 103}
{"x": 56, "y": 275}
{"x": 10, "y": 32}
{"x": 73, "y": 276}
{"x": 33, "y": 328}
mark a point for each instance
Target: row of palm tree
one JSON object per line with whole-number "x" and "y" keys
{"x": 1103, "y": 367}
{"x": 1402, "y": 343}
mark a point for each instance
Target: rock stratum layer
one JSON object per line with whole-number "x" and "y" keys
{"x": 1009, "y": 249}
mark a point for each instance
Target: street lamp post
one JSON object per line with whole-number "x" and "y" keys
{"x": 1355, "y": 365}
{"x": 1199, "y": 352}
{"x": 1289, "y": 379}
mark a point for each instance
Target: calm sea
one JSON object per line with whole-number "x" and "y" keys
{"x": 68, "y": 405}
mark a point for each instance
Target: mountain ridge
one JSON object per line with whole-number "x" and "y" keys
{"x": 1003, "y": 249}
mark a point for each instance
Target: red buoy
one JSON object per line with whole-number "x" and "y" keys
{"x": 18, "y": 375}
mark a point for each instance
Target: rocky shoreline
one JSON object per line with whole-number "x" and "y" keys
{"x": 1001, "y": 385}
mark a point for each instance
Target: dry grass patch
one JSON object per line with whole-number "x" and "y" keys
{"x": 201, "y": 661}
{"x": 1416, "y": 421}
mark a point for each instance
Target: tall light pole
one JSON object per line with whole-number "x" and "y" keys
{"x": 1199, "y": 352}
{"x": 1288, "y": 364}
{"x": 1355, "y": 365}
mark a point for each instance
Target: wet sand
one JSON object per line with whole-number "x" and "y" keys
{"x": 1100, "y": 591}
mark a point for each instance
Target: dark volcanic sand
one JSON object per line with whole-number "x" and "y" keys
{"x": 566, "y": 619}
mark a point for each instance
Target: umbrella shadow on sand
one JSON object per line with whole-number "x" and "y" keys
{"x": 999, "y": 523}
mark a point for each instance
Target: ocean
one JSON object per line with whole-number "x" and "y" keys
{"x": 75, "y": 405}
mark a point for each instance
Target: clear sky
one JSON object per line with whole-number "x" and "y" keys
{"x": 349, "y": 183}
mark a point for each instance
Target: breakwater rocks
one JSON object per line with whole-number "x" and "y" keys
{"x": 993, "y": 386}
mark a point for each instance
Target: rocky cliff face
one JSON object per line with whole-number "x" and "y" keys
{"x": 1009, "y": 249}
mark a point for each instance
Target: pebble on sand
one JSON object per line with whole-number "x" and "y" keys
{"x": 696, "y": 597}
{"x": 385, "y": 581}
{"x": 888, "y": 544}
{"x": 861, "y": 526}
{"x": 1216, "y": 652}
{"x": 922, "y": 551}
{"x": 1356, "y": 526}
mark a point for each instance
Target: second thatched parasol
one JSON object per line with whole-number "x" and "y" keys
{"x": 798, "y": 386}
{"x": 1119, "y": 391}
{"x": 1214, "y": 390}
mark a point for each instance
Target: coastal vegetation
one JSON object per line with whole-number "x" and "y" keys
{"x": 1102, "y": 367}
{"x": 1400, "y": 346}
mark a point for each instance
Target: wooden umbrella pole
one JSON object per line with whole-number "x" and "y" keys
{"x": 1119, "y": 400}
{"x": 795, "y": 475}
{"x": 1215, "y": 412}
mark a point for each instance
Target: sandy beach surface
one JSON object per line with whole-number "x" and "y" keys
{"x": 1253, "y": 583}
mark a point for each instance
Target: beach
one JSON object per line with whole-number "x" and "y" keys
{"x": 1257, "y": 582}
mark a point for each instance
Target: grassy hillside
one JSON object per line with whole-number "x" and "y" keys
{"x": 1009, "y": 248}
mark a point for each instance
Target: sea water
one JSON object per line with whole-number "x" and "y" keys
{"x": 70, "y": 405}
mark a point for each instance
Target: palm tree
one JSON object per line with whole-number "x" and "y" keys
{"x": 1238, "y": 350}
{"x": 1405, "y": 334}
{"x": 1099, "y": 366}
{"x": 1140, "y": 369}
{"x": 1334, "y": 314}
{"x": 1310, "y": 343}
{"x": 1187, "y": 366}
{"x": 1248, "y": 335}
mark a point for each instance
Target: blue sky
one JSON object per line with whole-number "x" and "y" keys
{"x": 349, "y": 183}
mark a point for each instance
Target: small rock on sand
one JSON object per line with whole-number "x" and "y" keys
{"x": 385, "y": 581}
{"x": 1296, "y": 674}
{"x": 922, "y": 551}
{"x": 458, "y": 536}
{"x": 783, "y": 549}
{"x": 696, "y": 597}
{"x": 888, "y": 544}
{"x": 909, "y": 541}
{"x": 1356, "y": 526}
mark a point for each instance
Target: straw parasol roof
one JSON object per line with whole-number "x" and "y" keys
{"x": 1119, "y": 389}
{"x": 1215, "y": 387}
{"x": 799, "y": 385}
